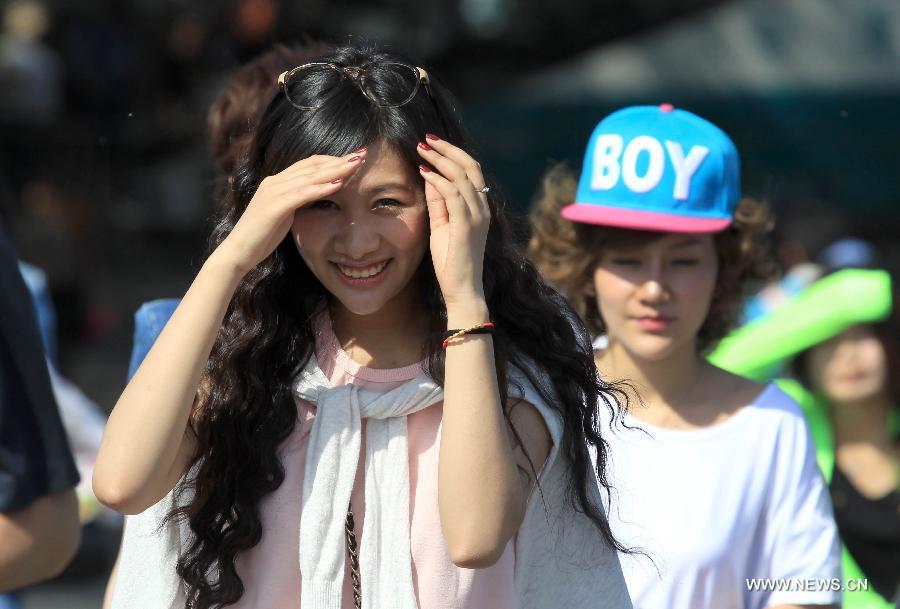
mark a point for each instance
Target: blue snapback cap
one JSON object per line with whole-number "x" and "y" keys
{"x": 657, "y": 168}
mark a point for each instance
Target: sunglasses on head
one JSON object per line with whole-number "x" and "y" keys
{"x": 387, "y": 84}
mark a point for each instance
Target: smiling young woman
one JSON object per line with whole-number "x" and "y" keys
{"x": 715, "y": 475}
{"x": 343, "y": 411}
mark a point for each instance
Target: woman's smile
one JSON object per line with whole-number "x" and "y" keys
{"x": 363, "y": 276}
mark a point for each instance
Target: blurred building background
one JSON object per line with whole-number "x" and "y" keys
{"x": 106, "y": 181}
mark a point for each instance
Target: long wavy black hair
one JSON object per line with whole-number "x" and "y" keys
{"x": 245, "y": 408}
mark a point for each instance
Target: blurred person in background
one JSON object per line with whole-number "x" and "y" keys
{"x": 231, "y": 535}
{"x": 31, "y": 99}
{"x": 53, "y": 236}
{"x": 843, "y": 355}
{"x": 715, "y": 475}
{"x": 39, "y": 525}
{"x": 82, "y": 418}
{"x": 30, "y": 70}
{"x": 235, "y": 113}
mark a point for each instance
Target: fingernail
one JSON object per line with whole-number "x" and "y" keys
{"x": 351, "y": 159}
{"x": 337, "y": 180}
{"x": 424, "y": 146}
{"x": 432, "y": 137}
{"x": 423, "y": 168}
{"x": 360, "y": 150}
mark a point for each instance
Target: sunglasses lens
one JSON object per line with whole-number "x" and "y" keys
{"x": 308, "y": 86}
{"x": 390, "y": 84}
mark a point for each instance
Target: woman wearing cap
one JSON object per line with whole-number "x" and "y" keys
{"x": 715, "y": 476}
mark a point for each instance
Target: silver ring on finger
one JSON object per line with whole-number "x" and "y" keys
{"x": 485, "y": 190}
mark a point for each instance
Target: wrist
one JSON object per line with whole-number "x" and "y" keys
{"x": 225, "y": 267}
{"x": 468, "y": 313}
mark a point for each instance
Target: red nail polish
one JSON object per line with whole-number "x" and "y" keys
{"x": 423, "y": 168}
{"x": 360, "y": 150}
{"x": 337, "y": 180}
{"x": 432, "y": 137}
{"x": 351, "y": 159}
{"x": 424, "y": 146}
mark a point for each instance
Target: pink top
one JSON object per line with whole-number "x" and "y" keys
{"x": 271, "y": 570}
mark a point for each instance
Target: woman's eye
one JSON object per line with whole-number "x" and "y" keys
{"x": 388, "y": 203}
{"x": 685, "y": 262}
{"x": 321, "y": 204}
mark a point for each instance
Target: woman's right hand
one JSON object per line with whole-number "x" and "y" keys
{"x": 270, "y": 213}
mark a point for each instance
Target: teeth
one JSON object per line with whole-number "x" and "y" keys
{"x": 362, "y": 273}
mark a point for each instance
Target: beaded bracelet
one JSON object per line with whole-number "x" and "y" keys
{"x": 483, "y": 328}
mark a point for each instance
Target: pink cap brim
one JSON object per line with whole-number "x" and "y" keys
{"x": 642, "y": 220}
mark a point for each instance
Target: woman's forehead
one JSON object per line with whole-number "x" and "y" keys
{"x": 857, "y": 332}
{"x": 385, "y": 170}
{"x": 647, "y": 241}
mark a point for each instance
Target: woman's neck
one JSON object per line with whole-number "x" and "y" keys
{"x": 862, "y": 422}
{"x": 864, "y": 449}
{"x": 665, "y": 385}
{"x": 392, "y": 337}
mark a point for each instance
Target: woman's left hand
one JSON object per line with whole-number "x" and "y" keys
{"x": 459, "y": 217}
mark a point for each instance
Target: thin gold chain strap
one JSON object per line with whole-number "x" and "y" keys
{"x": 353, "y": 552}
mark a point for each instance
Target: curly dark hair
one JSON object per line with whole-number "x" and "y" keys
{"x": 567, "y": 253}
{"x": 245, "y": 408}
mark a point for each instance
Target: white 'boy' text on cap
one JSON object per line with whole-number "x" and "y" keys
{"x": 607, "y": 169}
